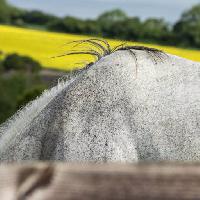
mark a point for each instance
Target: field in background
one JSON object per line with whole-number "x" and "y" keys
{"x": 42, "y": 45}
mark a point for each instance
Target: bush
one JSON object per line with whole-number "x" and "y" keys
{"x": 21, "y": 63}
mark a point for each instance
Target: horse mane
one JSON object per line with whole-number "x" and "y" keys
{"x": 99, "y": 48}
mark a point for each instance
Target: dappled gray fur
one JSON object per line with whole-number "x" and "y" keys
{"x": 114, "y": 110}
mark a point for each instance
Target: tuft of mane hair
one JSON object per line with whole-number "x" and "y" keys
{"x": 99, "y": 48}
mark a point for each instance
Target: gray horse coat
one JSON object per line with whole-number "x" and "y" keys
{"x": 113, "y": 111}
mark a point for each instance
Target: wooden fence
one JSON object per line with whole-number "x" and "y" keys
{"x": 47, "y": 181}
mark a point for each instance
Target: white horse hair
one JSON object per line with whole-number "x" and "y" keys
{"x": 125, "y": 108}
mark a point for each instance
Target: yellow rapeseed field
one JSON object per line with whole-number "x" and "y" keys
{"x": 42, "y": 46}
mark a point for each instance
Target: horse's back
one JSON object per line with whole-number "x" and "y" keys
{"x": 117, "y": 110}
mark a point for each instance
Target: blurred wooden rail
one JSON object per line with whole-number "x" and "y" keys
{"x": 44, "y": 181}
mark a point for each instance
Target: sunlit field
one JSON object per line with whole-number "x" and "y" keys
{"x": 42, "y": 46}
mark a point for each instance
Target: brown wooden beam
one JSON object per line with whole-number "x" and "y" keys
{"x": 145, "y": 181}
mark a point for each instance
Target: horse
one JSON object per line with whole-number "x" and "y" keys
{"x": 134, "y": 104}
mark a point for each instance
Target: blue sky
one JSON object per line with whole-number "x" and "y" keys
{"x": 169, "y": 9}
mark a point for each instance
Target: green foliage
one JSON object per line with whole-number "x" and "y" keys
{"x": 1, "y": 67}
{"x": 13, "y": 62}
{"x": 16, "y": 17}
{"x": 6, "y": 103}
{"x": 10, "y": 88}
{"x": 112, "y": 16}
{"x": 23, "y": 63}
{"x": 91, "y": 28}
{"x": 155, "y": 30}
{"x": 16, "y": 90}
{"x": 128, "y": 29}
{"x": 187, "y": 29}
{"x": 19, "y": 83}
{"x": 8, "y": 13}
{"x": 15, "y": 84}
{"x": 75, "y": 25}
{"x": 6, "y": 108}
{"x": 37, "y": 17}
{"x": 67, "y": 24}
{"x": 4, "y": 12}
{"x": 109, "y": 19}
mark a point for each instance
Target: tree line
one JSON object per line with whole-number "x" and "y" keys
{"x": 113, "y": 24}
